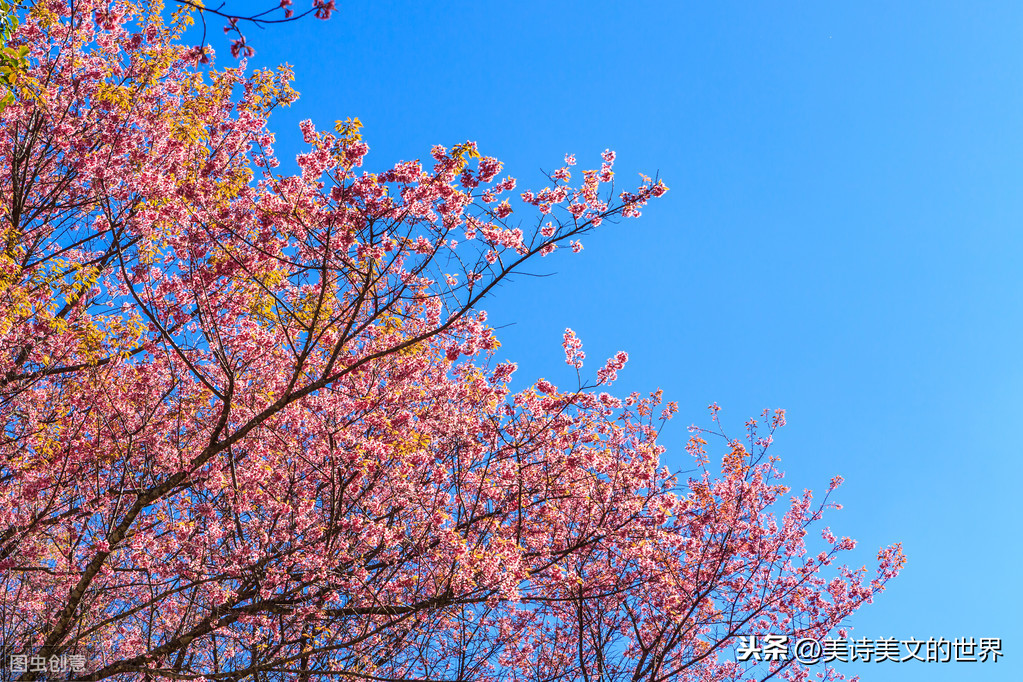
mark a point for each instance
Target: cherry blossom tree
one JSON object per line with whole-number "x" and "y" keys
{"x": 253, "y": 427}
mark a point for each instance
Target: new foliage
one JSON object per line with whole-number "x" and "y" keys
{"x": 251, "y": 427}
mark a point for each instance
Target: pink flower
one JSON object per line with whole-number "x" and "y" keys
{"x": 239, "y": 48}
{"x": 573, "y": 349}
{"x": 324, "y": 8}
{"x": 308, "y": 131}
{"x": 489, "y": 168}
{"x": 609, "y": 372}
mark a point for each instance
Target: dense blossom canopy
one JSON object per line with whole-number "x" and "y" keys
{"x": 252, "y": 426}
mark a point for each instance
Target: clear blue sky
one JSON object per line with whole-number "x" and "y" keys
{"x": 842, "y": 239}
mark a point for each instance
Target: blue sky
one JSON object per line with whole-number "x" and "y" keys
{"x": 842, "y": 239}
